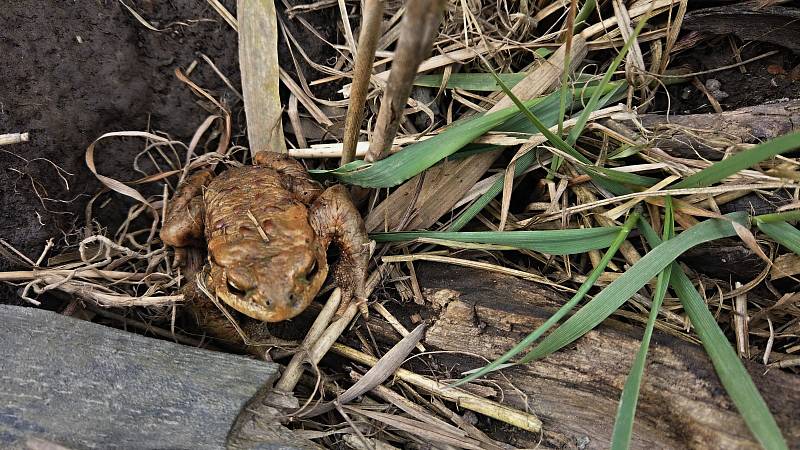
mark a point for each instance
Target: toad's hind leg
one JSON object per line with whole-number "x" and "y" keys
{"x": 296, "y": 178}
{"x": 183, "y": 224}
{"x": 335, "y": 220}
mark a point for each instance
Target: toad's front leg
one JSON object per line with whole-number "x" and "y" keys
{"x": 336, "y": 220}
{"x": 183, "y": 223}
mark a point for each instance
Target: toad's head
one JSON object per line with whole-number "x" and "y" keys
{"x": 270, "y": 277}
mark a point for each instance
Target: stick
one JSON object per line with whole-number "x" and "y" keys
{"x": 13, "y": 138}
{"x": 367, "y": 43}
{"x": 420, "y": 27}
{"x": 519, "y": 419}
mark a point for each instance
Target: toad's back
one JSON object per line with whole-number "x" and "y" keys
{"x": 243, "y": 199}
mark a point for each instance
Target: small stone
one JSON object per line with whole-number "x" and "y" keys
{"x": 713, "y": 84}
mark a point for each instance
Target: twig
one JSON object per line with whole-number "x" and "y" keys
{"x": 464, "y": 399}
{"x": 394, "y": 323}
{"x": 420, "y": 27}
{"x": 13, "y": 138}
{"x": 24, "y": 275}
{"x": 367, "y": 43}
{"x": 225, "y": 14}
{"x": 317, "y": 348}
{"x": 295, "y": 367}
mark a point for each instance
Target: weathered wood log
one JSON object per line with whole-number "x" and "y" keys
{"x": 576, "y": 390}
{"x": 750, "y": 21}
{"x": 83, "y": 385}
{"x": 709, "y": 135}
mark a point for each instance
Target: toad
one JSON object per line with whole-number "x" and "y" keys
{"x": 267, "y": 229}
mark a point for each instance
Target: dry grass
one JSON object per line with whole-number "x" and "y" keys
{"x": 128, "y": 266}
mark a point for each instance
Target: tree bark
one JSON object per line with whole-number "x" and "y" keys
{"x": 576, "y": 390}
{"x": 686, "y": 136}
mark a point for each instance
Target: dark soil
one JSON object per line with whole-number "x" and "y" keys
{"x": 76, "y": 72}
{"x": 766, "y": 79}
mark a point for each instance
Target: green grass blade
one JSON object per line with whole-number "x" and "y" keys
{"x": 778, "y": 217}
{"x": 619, "y": 176}
{"x": 623, "y": 424}
{"x": 740, "y": 161}
{"x": 540, "y": 126}
{"x": 621, "y": 289}
{"x": 591, "y": 105}
{"x": 567, "y": 148}
{"x": 555, "y": 242}
{"x": 417, "y": 157}
{"x": 783, "y": 233}
{"x": 729, "y": 367}
{"x": 621, "y": 236}
{"x": 583, "y": 14}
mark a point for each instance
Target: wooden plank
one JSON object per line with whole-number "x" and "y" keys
{"x": 84, "y": 385}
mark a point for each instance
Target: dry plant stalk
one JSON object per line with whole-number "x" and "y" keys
{"x": 464, "y": 399}
{"x": 291, "y": 376}
{"x": 13, "y": 138}
{"x": 362, "y": 72}
{"x": 448, "y": 182}
{"x": 316, "y": 347}
{"x": 420, "y": 28}
{"x": 260, "y": 71}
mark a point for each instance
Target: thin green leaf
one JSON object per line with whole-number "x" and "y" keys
{"x": 587, "y": 9}
{"x": 613, "y": 90}
{"x": 621, "y": 236}
{"x": 778, "y": 217}
{"x": 619, "y": 176}
{"x": 621, "y": 289}
{"x": 541, "y": 127}
{"x": 554, "y": 242}
{"x": 783, "y": 233}
{"x": 591, "y": 105}
{"x": 567, "y": 148}
{"x": 729, "y": 367}
{"x": 623, "y": 424}
{"x": 417, "y": 157}
{"x": 740, "y": 161}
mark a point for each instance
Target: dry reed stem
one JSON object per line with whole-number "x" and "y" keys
{"x": 392, "y": 320}
{"x": 13, "y": 138}
{"x": 372, "y": 18}
{"x": 291, "y": 376}
{"x": 316, "y": 347}
{"x": 260, "y": 72}
{"x": 489, "y": 408}
{"x": 420, "y": 27}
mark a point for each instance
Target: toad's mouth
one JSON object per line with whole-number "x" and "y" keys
{"x": 264, "y": 307}
{"x": 265, "y": 311}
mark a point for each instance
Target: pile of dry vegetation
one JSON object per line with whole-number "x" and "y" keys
{"x": 535, "y": 145}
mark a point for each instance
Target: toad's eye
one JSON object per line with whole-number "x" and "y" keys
{"x": 233, "y": 289}
{"x": 312, "y": 270}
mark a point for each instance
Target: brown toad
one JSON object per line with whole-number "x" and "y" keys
{"x": 267, "y": 228}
